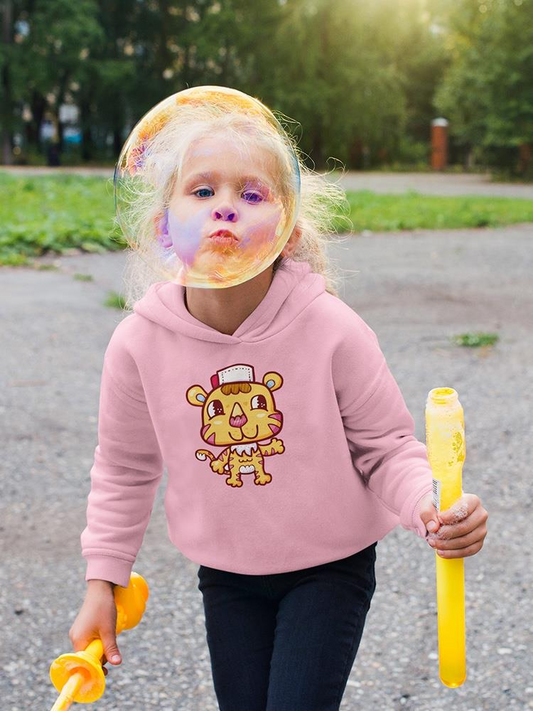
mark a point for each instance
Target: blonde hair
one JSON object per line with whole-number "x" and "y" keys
{"x": 142, "y": 198}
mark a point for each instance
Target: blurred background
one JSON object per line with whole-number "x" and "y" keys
{"x": 363, "y": 79}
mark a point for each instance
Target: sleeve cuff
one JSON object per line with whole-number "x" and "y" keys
{"x": 105, "y": 567}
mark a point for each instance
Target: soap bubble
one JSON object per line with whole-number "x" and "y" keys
{"x": 207, "y": 187}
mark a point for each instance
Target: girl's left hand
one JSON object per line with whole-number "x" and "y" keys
{"x": 459, "y": 531}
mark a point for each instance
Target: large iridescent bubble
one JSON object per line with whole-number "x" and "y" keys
{"x": 207, "y": 187}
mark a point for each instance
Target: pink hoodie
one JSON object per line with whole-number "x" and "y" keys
{"x": 288, "y": 444}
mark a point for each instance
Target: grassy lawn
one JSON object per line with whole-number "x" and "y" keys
{"x": 57, "y": 213}
{"x": 370, "y": 211}
{"x": 41, "y": 214}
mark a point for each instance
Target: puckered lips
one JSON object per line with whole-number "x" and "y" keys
{"x": 223, "y": 237}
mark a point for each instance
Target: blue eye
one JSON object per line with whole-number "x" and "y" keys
{"x": 248, "y": 195}
{"x": 202, "y": 190}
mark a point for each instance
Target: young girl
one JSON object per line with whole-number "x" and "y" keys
{"x": 289, "y": 448}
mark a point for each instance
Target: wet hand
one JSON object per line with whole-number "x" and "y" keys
{"x": 459, "y": 531}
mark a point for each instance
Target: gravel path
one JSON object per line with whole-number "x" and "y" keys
{"x": 435, "y": 184}
{"x": 376, "y": 181}
{"x": 415, "y": 289}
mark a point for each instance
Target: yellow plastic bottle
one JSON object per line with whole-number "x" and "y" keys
{"x": 78, "y": 676}
{"x": 445, "y": 439}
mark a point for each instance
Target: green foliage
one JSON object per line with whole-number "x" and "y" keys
{"x": 355, "y": 75}
{"x": 338, "y": 73}
{"x": 409, "y": 211}
{"x": 47, "y": 267}
{"x": 115, "y": 301}
{"x": 54, "y": 214}
{"x": 12, "y": 259}
{"x": 361, "y": 79}
{"x": 476, "y": 340}
{"x": 52, "y": 55}
{"x": 487, "y": 91}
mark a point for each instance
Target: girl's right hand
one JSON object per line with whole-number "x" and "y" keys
{"x": 97, "y": 619}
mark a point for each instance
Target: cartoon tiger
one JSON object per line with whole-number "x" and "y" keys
{"x": 239, "y": 412}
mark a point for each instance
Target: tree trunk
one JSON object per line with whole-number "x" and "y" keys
{"x": 356, "y": 154}
{"x": 87, "y": 145}
{"x": 524, "y": 157}
{"x": 38, "y": 107}
{"x": 316, "y": 147}
{"x": 7, "y": 97}
{"x": 469, "y": 160}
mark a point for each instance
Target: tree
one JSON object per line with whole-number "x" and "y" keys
{"x": 62, "y": 36}
{"x": 487, "y": 91}
{"x": 7, "y": 90}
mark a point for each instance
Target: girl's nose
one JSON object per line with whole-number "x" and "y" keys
{"x": 225, "y": 212}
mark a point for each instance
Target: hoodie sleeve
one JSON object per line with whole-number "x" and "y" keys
{"x": 379, "y": 428}
{"x": 126, "y": 471}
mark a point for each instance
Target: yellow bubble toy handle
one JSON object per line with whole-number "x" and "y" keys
{"x": 79, "y": 676}
{"x": 445, "y": 438}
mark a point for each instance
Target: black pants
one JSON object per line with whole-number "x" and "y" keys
{"x": 286, "y": 642}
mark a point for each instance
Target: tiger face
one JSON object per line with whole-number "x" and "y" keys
{"x": 238, "y": 412}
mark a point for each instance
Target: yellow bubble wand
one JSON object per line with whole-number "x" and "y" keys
{"x": 445, "y": 438}
{"x": 79, "y": 676}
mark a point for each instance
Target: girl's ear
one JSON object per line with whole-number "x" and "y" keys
{"x": 161, "y": 227}
{"x": 289, "y": 248}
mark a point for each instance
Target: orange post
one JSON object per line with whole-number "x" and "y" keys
{"x": 439, "y": 143}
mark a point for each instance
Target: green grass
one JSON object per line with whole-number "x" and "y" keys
{"x": 47, "y": 267}
{"x": 115, "y": 300}
{"x": 54, "y": 214}
{"x": 475, "y": 340}
{"x": 61, "y": 212}
{"x": 409, "y": 211}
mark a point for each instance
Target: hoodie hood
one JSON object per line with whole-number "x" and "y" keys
{"x": 294, "y": 286}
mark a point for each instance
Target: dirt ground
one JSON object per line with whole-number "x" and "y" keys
{"x": 416, "y": 290}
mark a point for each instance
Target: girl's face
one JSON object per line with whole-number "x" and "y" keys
{"x": 225, "y": 216}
